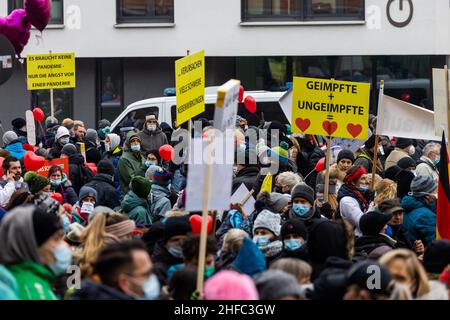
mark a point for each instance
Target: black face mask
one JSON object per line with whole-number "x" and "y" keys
{"x": 278, "y": 190}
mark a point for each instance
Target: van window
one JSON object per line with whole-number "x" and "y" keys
{"x": 136, "y": 118}
{"x": 208, "y": 114}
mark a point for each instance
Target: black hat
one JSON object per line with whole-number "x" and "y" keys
{"x": 437, "y": 256}
{"x": 69, "y": 149}
{"x": 346, "y": 154}
{"x": 18, "y": 123}
{"x": 404, "y": 179}
{"x": 106, "y": 167}
{"x": 370, "y": 143}
{"x": 45, "y": 225}
{"x": 176, "y": 226}
{"x": 361, "y": 272}
{"x": 391, "y": 172}
{"x": 390, "y": 206}
{"x": 406, "y": 162}
{"x": 402, "y": 143}
{"x": 302, "y": 190}
{"x": 294, "y": 226}
{"x": 373, "y": 222}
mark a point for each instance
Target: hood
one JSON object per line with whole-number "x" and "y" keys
{"x": 103, "y": 177}
{"x": 16, "y": 149}
{"x": 114, "y": 140}
{"x": 159, "y": 191}
{"x": 131, "y": 135}
{"x": 131, "y": 201}
{"x": 76, "y": 158}
{"x": 91, "y": 290}
{"x": 326, "y": 238}
{"x": 250, "y": 260}
{"x": 410, "y": 203}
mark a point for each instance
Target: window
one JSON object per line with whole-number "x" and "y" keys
{"x": 146, "y": 11}
{"x": 57, "y": 10}
{"x": 207, "y": 114}
{"x": 302, "y": 10}
{"x": 63, "y": 100}
{"x": 136, "y": 118}
{"x": 110, "y": 88}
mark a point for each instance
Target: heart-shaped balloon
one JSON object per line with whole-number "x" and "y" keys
{"x": 38, "y": 12}
{"x": 38, "y": 114}
{"x": 32, "y": 161}
{"x": 166, "y": 152}
{"x": 196, "y": 224}
{"x": 250, "y": 104}
{"x": 320, "y": 166}
{"x": 1, "y": 166}
{"x": 57, "y": 196}
{"x": 16, "y": 27}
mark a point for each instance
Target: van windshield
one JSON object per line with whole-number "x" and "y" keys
{"x": 136, "y": 118}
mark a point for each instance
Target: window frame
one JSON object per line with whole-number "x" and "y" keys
{"x": 35, "y": 101}
{"x": 310, "y": 16}
{"x": 144, "y": 19}
{"x": 53, "y": 21}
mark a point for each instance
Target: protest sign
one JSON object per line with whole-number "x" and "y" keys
{"x": 240, "y": 196}
{"x": 330, "y": 108}
{"x": 63, "y": 163}
{"x": 31, "y": 127}
{"x": 51, "y": 71}
{"x": 190, "y": 86}
{"x": 286, "y": 104}
{"x": 441, "y": 88}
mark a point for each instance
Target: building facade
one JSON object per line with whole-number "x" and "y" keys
{"x": 126, "y": 49}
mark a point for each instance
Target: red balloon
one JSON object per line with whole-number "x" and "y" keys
{"x": 38, "y": 114}
{"x": 68, "y": 207}
{"x": 241, "y": 94}
{"x": 57, "y": 196}
{"x": 250, "y": 104}
{"x": 320, "y": 166}
{"x": 166, "y": 152}
{"x": 32, "y": 161}
{"x": 1, "y": 166}
{"x": 196, "y": 224}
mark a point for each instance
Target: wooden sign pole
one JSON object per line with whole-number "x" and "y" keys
{"x": 327, "y": 169}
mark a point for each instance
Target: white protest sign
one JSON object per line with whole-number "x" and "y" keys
{"x": 286, "y": 104}
{"x": 239, "y": 196}
{"x": 440, "y": 101}
{"x": 31, "y": 128}
{"x": 401, "y": 119}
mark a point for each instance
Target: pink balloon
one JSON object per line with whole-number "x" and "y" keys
{"x": 16, "y": 27}
{"x": 38, "y": 12}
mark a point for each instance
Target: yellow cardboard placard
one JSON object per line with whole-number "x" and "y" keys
{"x": 330, "y": 108}
{"x": 190, "y": 86}
{"x": 51, "y": 71}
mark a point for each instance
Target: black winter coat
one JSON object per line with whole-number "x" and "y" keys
{"x": 91, "y": 290}
{"x": 93, "y": 155}
{"x": 366, "y": 244}
{"x": 163, "y": 260}
{"x": 106, "y": 190}
{"x": 247, "y": 176}
{"x": 79, "y": 175}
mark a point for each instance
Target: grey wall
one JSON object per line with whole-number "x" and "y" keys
{"x": 84, "y": 101}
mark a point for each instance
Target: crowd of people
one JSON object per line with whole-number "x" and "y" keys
{"x": 118, "y": 228}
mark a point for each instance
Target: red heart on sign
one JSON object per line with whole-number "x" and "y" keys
{"x": 354, "y": 129}
{"x": 329, "y": 127}
{"x": 32, "y": 161}
{"x": 302, "y": 124}
{"x": 196, "y": 224}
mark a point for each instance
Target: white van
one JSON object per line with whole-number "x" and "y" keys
{"x": 268, "y": 108}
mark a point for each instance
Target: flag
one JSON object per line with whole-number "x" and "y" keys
{"x": 443, "y": 203}
{"x": 267, "y": 183}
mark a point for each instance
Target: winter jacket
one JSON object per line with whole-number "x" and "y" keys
{"x": 79, "y": 175}
{"x": 152, "y": 140}
{"x": 91, "y": 290}
{"x": 427, "y": 168}
{"x": 114, "y": 157}
{"x": 130, "y": 164}
{"x": 106, "y": 190}
{"x": 8, "y": 188}
{"x": 419, "y": 219}
{"x": 400, "y": 234}
{"x": 66, "y": 190}
{"x": 365, "y": 159}
{"x": 159, "y": 202}
{"x": 250, "y": 260}
{"x": 8, "y": 285}
{"x": 162, "y": 261}
{"x": 15, "y": 149}
{"x": 136, "y": 208}
{"x": 366, "y": 244}
{"x": 34, "y": 281}
{"x": 394, "y": 157}
{"x": 55, "y": 151}
{"x": 247, "y": 176}
{"x": 93, "y": 155}
{"x": 351, "y": 207}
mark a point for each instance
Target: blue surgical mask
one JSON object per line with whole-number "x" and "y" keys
{"x": 55, "y": 182}
{"x": 149, "y": 164}
{"x": 151, "y": 288}
{"x": 175, "y": 251}
{"x": 64, "y": 141}
{"x": 63, "y": 259}
{"x": 436, "y": 161}
{"x": 300, "y": 210}
{"x": 261, "y": 241}
{"x": 135, "y": 147}
{"x": 292, "y": 244}
{"x": 363, "y": 187}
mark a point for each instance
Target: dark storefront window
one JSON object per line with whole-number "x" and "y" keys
{"x": 301, "y": 10}
{"x": 63, "y": 100}
{"x": 110, "y": 88}
{"x": 144, "y": 11}
{"x": 57, "y": 16}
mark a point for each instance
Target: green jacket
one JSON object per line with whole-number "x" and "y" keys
{"x": 8, "y": 285}
{"x": 34, "y": 281}
{"x": 130, "y": 164}
{"x": 136, "y": 208}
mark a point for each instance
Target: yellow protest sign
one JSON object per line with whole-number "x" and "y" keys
{"x": 330, "y": 108}
{"x": 190, "y": 86}
{"x": 50, "y": 71}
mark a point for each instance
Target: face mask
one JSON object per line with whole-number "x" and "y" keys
{"x": 151, "y": 288}
{"x": 64, "y": 141}
{"x": 175, "y": 251}
{"x": 55, "y": 182}
{"x": 300, "y": 210}
{"x": 412, "y": 150}
{"x": 363, "y": 187}
{"x": 135, "y": 147}
{"x": 87, "y": 207}
{"x": 63, "y": 259}
{"x": 150, "y": 163}
{"x": 320, "y": 198}
{"x": 292, "y": 244}
{"x": 151, "y": 127}
{"x": 98, "y": 144}
{"x": 414, "y": 172}
{"x": 436, "y": 160}
{"x": 278, "y": 190}
{"x": 261, "y": 241}
{"x": 107, "y": 147}
{"x": 209, "y": 271}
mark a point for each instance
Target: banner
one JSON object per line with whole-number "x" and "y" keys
{"x": 190, "y": 86}
{"x": 63, "y": 163}
{"x": 51, "y": 71}
{"x": 440, "y": 101}
{"x": 330, "y": 108}
{"x": 397, "y": 118}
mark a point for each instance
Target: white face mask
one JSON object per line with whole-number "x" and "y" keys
{"x": 87, "y": 207}
{"x": 412, "y": 150}
{"x": 107, "y": 147}
{"x": 151, "y": 127}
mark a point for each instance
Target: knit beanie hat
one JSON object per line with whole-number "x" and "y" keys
{"x": 390, "y": 206}
{"x": 35, "y": 182}
{"x": 346, "y": 154}
{"x": 162, "y": 177}
{"x": 423, "y": 185}
{"x": 302, "y": 190}
{"x": 141, "y": 186}
{"x": 294, "y": 226}
{"x": 268, "y": 220}
{"x": 370, "y": 143}
{"x": 50, "y": 122}
{"x": 69, "y": 149}
{"x": 392, "y": 172}
{"x": 276, "y": 284}
{"x": 91, "y": 135}
{"x": 404, "y": 179}
{"x": 45, "y": 225}
{"x": 402, "y": 143}
{"x": 19, "y": 123}
{"x": 9, "y": 136}
{"x": 61, "y": 132}
{"x": 406, "y": 162}
{"x": 274, "y": 201}
{"x": 230, "y": 285}
{"x": 280, "y": 153}
{"x": 86, "y": 191}
{"x": 436, "y": 256}
{"x": 354, "y": 173}
{"x": 106, "y": 167}
{"x": 104, "y": 123}
{"x": 373, "y": 222}
{"x": 176, "y": 226}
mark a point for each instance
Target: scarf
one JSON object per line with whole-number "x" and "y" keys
{"x": 272, "y": 249}
{"x": 119, "y": 230}
{"x": 351, "y": 191}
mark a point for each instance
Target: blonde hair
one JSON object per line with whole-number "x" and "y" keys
{"x": 413, "y": 266}
{"x": 332, "y": 200}
{"x": 93, "y": 239}
{"x": 232, "y": 242}
{"x": 386, "y": 189}
{"x": 296, "y": 267}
